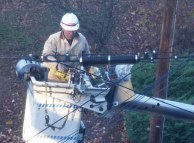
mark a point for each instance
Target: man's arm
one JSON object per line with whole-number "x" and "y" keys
{"x": 49, "y": 50}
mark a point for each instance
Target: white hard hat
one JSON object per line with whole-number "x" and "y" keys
{"x": 70, "y": 22}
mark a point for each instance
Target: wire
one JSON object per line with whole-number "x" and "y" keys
{"x": 80, "y": 106}
{"x": 62, "y": 117}
{"x": 152, "y": 85}
{"x": 150, "y": 98}
{"x": 119, "y": 118}
{"x": 100, "y": 93}
{"x": 158, "y": 56}
{"x": 71, "y": 111}
{"x": 163, "y": 102}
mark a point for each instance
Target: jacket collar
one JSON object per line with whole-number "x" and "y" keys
{"x": 63, "y": 37}
{"x": 75, "y": 39}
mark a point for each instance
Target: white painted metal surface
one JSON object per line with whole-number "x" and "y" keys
{"x": 57, "y": 102}
{"x": 41, "y": 104}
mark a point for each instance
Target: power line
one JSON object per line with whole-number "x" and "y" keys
{"x": 96, "y": 95}
{"x": 152, "y": 85}
{"x": 156, "y": 99}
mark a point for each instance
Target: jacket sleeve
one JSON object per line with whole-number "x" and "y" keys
{"x": 87, "y": 53}
{"x": 50, "y": 50}
{"x": 87, "y": 48}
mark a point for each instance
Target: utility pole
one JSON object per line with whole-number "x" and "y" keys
{"x": 160, "y": 90}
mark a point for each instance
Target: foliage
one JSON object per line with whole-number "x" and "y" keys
{"x": 181, "y": 82}
{"x": 179, "y": 88}
{"x": 143, "y": 77}
{"x": 137, "y": 127}
{"x": 178, "y": 132}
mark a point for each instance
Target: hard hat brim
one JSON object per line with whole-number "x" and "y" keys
{"x": 70, "y": 27}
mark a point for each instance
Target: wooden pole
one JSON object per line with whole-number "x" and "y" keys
{"x": 160, "y": 90}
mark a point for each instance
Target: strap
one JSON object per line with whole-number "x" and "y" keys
{"x": 46, "y": 98}
{"x": 47, "y": 118}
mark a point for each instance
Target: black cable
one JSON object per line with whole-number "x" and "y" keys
{"x": 163, "y": 102}
{"x": 123, "y": 109}
{"x": 61, "y": 118}
{"x": 109, "y": 81}
{"x": 124, "y": 77}
{"x": 155, "y": 57}
{"x": 142, "y": 97}
{"x": 71, "y": 111}
{"x": 158, "y": 81}
{"x": 82, "y": 104}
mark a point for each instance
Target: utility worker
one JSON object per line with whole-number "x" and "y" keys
{"x": 67, "y": 41}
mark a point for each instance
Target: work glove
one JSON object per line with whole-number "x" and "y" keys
{"x": 62, "y": 68}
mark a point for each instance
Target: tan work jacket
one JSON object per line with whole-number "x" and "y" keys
{"x": 56, "y": 44}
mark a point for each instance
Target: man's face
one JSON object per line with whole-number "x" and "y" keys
{"x": 69, "y": 35}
